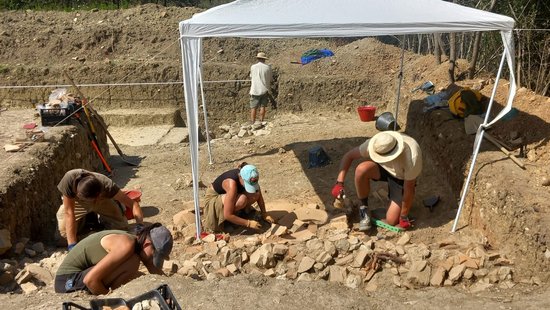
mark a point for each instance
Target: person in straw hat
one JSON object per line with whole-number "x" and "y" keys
{"x": 391, "y": 157}
{"x": 261, "y": 76}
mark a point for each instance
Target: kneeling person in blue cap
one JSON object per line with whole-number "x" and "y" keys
{"x": 108, "y": 259}
{"x": 232, "y": 191}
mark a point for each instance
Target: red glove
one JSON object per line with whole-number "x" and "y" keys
{"x": 338, "y": 190}
{"x": 404, "y": 223}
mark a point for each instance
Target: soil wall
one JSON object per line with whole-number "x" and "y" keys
{"x": 30, "y": 199}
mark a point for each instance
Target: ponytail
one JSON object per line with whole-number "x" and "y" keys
{"x": 241, "y": 165}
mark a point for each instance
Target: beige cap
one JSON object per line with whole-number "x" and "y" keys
{"x": 261, "y": 55}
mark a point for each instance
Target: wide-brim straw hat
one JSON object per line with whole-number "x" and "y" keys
{"x": 385, "y": 146}
{"x": 261, "y": 55}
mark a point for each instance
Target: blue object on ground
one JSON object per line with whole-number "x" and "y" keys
{"x": 318, "y": 157}
{"x": 314, "y": 54}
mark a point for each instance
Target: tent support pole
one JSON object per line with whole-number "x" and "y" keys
{"x": 479, "y": 139}
{"x": 399, "y": 83}
{"x": 205, "y": 117}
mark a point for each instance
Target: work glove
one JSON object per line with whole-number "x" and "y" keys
{"x": 404, "y": 222}
{"x": 338, "y": 190}
{"x": 268, "y": 218}
{"x": 253, "y": 224}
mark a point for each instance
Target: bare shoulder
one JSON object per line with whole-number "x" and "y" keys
{"x": 117, "y": 241}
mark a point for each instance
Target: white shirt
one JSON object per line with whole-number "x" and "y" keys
{"x": 261, "y": 76}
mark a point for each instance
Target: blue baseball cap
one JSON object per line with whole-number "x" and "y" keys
{"x": 250, "y": 176}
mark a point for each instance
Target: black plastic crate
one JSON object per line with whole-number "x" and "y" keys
{"x": 151, "y": 295}
{"x": 169, "y": 297}
{"x": 69, "y": 305}
{"x": 163, "y": 295}
{"x": 97, "y": 304}
{"x": 55, "y": 116}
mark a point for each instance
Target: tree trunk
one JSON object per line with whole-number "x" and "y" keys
{"x": 475, "y": 55}
{"x": 437, "y": 51}
{"x": 477, "y": 41}
{"x": 452, "y": 57}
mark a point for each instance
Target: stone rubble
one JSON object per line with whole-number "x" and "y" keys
{"x": 304, "y": 250}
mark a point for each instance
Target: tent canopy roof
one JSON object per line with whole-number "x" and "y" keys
{"x": 342, "y": 18}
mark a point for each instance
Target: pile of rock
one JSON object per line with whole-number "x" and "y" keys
{"x": 237, "y": 130}
{"x": 30, "y": 270}
{"x": 304, "y": 251}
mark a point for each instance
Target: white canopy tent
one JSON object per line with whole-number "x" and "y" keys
{"x": 329, "y": 18}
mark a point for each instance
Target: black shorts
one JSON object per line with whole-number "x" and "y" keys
{"x": 67, "y": 283}
{"x": 395, "y": 185}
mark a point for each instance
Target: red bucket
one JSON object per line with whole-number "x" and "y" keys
{"x": 366, "y": 113}
{"x": 134, "y": 195}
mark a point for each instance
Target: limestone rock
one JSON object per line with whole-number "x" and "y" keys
{"x": 28, "y": 288}
{"x": 337, "y": 274}
{"x": 305, "y": 264}
{"x": 40, "y": 273}
{"x": 456, "y": 273}
{"x": 438, "y": 276}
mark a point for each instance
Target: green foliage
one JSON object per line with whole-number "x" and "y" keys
{"x": 90, "y": 4}
{"x": 4, "y": 69}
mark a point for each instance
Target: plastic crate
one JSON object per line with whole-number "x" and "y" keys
{"x": 69, "y": 305}
{"x": 151, "y": 295}
{"x": 56, "y": 116}
{"x": 169, "y": 297}
{"x": 97, "y": 304}
{"x": 163, "y": 294}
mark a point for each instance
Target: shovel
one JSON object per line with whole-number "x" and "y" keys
{"x": 89, "y": 110}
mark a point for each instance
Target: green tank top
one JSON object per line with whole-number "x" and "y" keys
{"x": 86, "y": 253}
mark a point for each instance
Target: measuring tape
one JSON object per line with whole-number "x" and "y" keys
{"x": 387, "y": 226}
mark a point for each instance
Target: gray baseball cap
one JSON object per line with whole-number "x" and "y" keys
{"x": 162, "y": 242}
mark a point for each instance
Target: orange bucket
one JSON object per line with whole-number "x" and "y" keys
{"x": 366, "y": 113}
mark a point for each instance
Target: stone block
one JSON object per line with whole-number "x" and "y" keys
{"x": 404, "y": 239}
{"x": 306, "y": 264}
{"x": 456, "y": 273}
{"x": 337, "y": 274}
{"x": 438, "y": 276}
{"x": 28, "y": 288}
{"x": 360, "y": 258}
{"x": 23, "y": 276}
{"x": 184, "y": 218}
{"x": 353, "y": 280}
{"x": 40, "y": 273}
{"x": 38, "y": 247}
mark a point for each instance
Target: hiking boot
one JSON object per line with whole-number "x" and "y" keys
{"x": 364, "y": 222}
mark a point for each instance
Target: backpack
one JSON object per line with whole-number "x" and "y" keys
{"x": 466, "y": 102}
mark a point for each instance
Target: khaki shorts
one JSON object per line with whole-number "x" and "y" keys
{"x": 111, "y": 215}
{"x": 213, "y": 211}
{"x": 260, "y": 101}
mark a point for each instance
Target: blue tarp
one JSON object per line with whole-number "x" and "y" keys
{"x": 313, "y": 54}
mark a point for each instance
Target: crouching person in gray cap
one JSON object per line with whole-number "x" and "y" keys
{"x": 108, "y": 259}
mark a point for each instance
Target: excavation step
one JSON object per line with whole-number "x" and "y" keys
{"x": 142, "y": 117}
{"x": 148, "y": 135}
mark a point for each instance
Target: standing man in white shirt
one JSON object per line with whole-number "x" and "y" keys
{"x": 261, "y": 76}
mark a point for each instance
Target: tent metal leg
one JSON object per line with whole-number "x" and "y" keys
{"x": 399, "y": 83}
{"x": 205, "y": 118}
{"x": 479, "y": 139}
